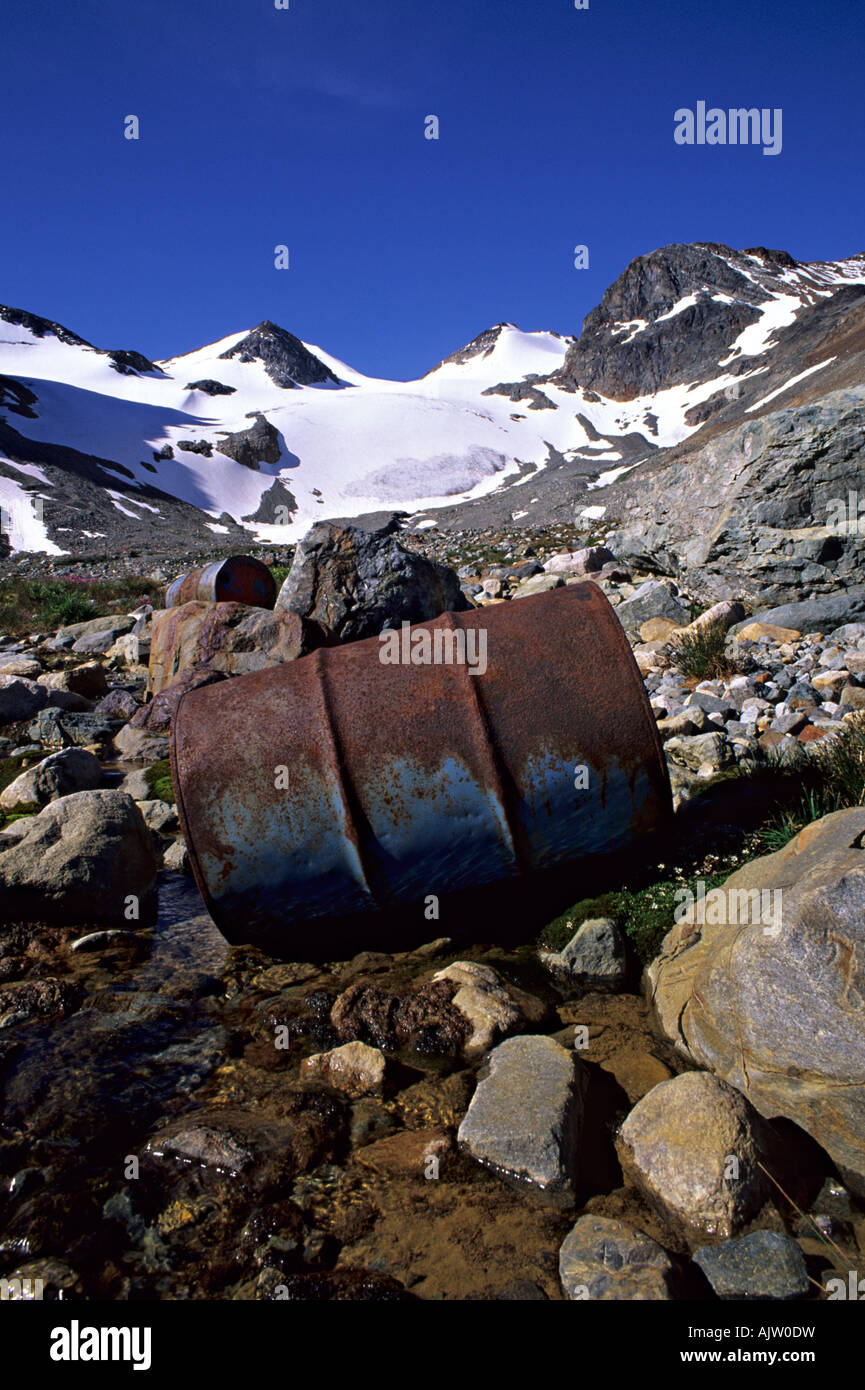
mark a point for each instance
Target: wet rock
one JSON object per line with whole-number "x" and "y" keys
{"x": 761, "y": 1265}
{"x": 594, "y": 958}
{"x": 769, "y": 1002}
{"x": 229, "y": 637}
{"x": 611, "y": 1261}
{"x": 425, "y": 1019}
{"x": 492, "y": 1008}
{"x": 79, "y": 859}
{"x": 103, "y": 940}
{"x": 407, "y": 1154}
{"x": 693, "y": 1146}
{"x": 525, "y": 1117}
{"x": 356, "y": 582}
{"x": 47, "y": 1280}
{"x": 20, "y": 698}
{"x": 71, "y": 770}
{"x": 354, "y": 1068}
{"x": 37, "y": 999}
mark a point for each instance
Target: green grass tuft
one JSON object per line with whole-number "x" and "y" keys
{"x": 702, "y": 653}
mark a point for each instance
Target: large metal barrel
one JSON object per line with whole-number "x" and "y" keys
{"x": 341, "y": 784}
{"x": 239, "y": 579}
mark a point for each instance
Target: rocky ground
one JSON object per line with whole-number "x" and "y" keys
{"x": 593, "y": 1112}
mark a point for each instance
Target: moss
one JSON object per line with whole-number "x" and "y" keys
{"x": 158, "y": 779}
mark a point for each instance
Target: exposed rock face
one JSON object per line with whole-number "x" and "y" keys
{"x": 78, "y": 860}
{"x": 286, "y": 360}
{"x": 211, "y": 387}
{"x": 753, "y": 516}
{"x": 693, "y": 1146}
{"x": 779, "y": 1010}
{"x": 356, "y": 582}
{"x": 254, "y": 446}
{"x": 228, "y": 637}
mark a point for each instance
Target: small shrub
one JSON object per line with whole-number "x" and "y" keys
{"x": 702, "y": 654}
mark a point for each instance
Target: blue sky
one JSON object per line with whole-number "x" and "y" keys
{"x": 305, "y": 127}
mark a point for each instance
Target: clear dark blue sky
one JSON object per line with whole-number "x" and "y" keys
{"x": 306, "y": 127}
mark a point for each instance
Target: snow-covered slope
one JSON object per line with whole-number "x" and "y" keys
{"x": 263, "y": 431}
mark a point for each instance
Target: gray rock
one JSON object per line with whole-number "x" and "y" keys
{"x": 134, "y": 745}
{"x": 761, "y": 1265}
{"x": 117, "y": 704}
{"x": 653, "y": 599}
{"x": 816, "y": 614}
{"x": 693, "y": 1146}
{"x": 525, "y": 1117}
{"x": 79, "y": 860}
{"x": 594, "y": 958}
{"x": 610, "y": 1261}
{"x": 70, "y": 770}
{"x": 93, "y": 642}
{"x": 113, "y": 623}
{"x": 357, "y": 582}
{"x": 68, "y": 727}
{"x": 20, "y": 698}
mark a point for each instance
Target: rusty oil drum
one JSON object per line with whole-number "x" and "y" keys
{"x": 239, "y": 579}
{"x": 409, "y": 780}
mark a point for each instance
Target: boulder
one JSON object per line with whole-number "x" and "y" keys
{"x": 777, "y": 1006}
{"x": 356, "y": 582}
{"x": 594, "y": 958}
{"x": 70, "y": 770}
{"x": 693, "y": 1147}
{"x": 20, "y": 698}
{"x": 492, "y": 1008}
{"x": 229, "y": 637}
{"x": 65, "y": 727}
{"x": 653, "y": 599}
{"x": 88, "y": 679}
{"x": 608, "y": 1260}
{"x": 117, "y": 704}
{"x": 79, "y": 860}
{"x": 525, "y": 1117}
{"x": 586, "y": 561}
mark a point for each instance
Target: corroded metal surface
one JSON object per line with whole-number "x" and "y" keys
{"x": 239, "y": 579}
{"x": 338, "y": 785}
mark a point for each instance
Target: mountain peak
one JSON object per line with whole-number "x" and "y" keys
{"x": 287, "y": 361}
